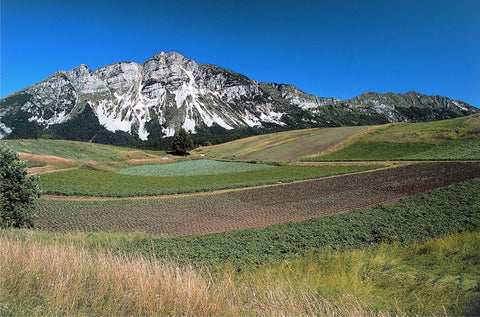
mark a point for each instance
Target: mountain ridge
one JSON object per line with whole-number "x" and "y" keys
{"x": 169, "y": 91}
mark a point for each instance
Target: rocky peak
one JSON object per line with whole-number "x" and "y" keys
{"x": 169, "y": 91}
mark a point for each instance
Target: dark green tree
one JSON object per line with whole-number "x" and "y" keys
{"x": 17, "y": 191}
{"x": 182, "y": 142}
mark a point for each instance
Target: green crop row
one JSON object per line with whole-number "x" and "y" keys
{"x": 85, "y": 182}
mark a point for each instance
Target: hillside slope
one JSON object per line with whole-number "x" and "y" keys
{"x": 455, "y": 139}
{"x": 446, "y": 139}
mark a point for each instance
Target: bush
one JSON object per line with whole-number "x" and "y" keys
{"x": 17, "y": 191}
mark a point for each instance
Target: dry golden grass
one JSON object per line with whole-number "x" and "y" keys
{"x": 62, "y": 279}
{"x": 47, "y": 159}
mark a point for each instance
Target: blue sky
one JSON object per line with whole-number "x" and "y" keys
{"x": 327, "y": 48}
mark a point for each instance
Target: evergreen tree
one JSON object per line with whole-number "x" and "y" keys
{"x": 17, "y": 191}
{"x": 182, "y": 142}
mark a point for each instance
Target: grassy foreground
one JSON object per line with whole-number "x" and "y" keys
{"x": 438, "y": 277}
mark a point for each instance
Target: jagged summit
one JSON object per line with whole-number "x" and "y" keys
{"x": 169, "y": 91}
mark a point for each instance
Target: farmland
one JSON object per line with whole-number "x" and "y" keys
{"x": 456, "y": 139}
{"x": 200, "y": 214}
{"x": 283, "y": 146}
{"x": 88, "y": 182}
{"x": 319, "y": 267}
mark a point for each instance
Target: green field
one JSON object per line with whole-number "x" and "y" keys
{"x": 86, "y": 182}
{"x": 192, "y": 168}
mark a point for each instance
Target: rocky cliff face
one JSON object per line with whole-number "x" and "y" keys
{"x": 170, "y": 91}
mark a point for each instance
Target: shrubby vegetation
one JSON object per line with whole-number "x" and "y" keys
{"x": 17, "y": 191}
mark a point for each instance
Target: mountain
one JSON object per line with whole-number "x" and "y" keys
{"x": 151, "y": 100}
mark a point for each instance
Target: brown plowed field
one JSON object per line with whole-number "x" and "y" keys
{"x": 240, "y": 209}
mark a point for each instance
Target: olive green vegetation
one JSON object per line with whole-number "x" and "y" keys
{"x": 88, "y": 182}
{"x": 455, "y": 139}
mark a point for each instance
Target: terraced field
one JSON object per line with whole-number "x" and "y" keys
{"x": 240, "y": 209}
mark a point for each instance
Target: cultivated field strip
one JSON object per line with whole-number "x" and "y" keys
{"x": 240, "y": 209}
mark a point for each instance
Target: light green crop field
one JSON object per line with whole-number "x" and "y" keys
{"x": 194, "y": 167}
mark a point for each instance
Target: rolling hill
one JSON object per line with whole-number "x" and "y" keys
{"x": 453, "y": 139}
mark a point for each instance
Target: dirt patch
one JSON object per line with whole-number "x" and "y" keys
{"x": 40, "y": 169}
